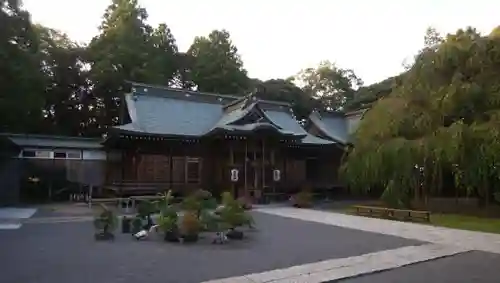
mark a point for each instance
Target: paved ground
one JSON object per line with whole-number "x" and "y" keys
{"x": 476, "y": 267}
{"x": 473, "y": 240}
{"x": 66, "y": 252}
{"x": 342, "y": 268}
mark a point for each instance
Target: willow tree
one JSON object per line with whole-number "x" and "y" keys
{"x": 443, "y": 116}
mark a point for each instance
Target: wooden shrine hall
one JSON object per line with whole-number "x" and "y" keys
{"x": 186, "y": 140}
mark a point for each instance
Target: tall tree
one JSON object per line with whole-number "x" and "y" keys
{"x": 432, "y": 38}
{"x": 367, "y": 95}
{"x": 163, "y": 58}
{"x": 444, "y": 117}
{"x": 183, "y": 77}
{"x": 287, "y": 91}
{"x": 67, "y": 98}
{"x": 21, "y": 82}
{"x": 216, "y": 66}
{"x": 331, "y": 85}
{"x": 127, "y": 49}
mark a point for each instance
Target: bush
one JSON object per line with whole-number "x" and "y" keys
{"x": 302, "y": 199}
{"x": 232, "y": 212}
{"x": 145, "y": 209}
{"x": 105, "y": 223}
{"x": 168, "y": 220}
{"x": 199, "y": 201}
{"x": 392, "y": 197}
{"x": 137, "y": 225}
{"x": 245, "y": 202}
{"x": 190, "y": 224}
{"x": 168, "y": 216}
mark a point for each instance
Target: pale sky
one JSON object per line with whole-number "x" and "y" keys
{"x": 278, "y": 38}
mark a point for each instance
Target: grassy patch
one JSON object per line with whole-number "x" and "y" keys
{"x": 456, "y": 221}
{"x": 491, "y": 225}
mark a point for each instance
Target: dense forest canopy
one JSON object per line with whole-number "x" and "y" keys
{"x": 50, "y": 84}
{"x": 441, "y": 115}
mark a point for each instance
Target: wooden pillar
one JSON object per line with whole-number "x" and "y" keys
{"x": 231, "y": 162}
{"x": 122, "y": 164}
{"x": 245, "y": 167}
{"x": 254, "y": 165}
{"x": 284, "y": 176}
{"x": 171, "y": 167}
{"x": 273, "y": 167}
{"x": 263, "y": 169}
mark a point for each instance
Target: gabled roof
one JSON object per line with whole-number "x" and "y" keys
{"x": 337, "y": 126}
{"x": 155, "y": 110}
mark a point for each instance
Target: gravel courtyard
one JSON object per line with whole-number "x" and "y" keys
{"x": 67, "y": 252}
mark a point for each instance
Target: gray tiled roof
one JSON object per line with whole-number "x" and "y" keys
{"x": 337, "y": 126}
{"x": 286, "y": 121}
{"x": 171, "y": 112}
{"x": 170, "y": 116}
{"x": 26, "y": 140}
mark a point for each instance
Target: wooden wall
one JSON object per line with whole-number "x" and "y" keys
{"x": 207, "y": 165}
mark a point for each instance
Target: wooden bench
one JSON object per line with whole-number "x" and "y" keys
{"x": 392, "y": 213}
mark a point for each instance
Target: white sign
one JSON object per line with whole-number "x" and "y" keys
{"x": 276, "y": 175}
{"x": 234, "y": 175}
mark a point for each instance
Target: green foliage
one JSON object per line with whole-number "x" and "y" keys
{"x": 331, "y": 85}
{"x": 190, "y": 224}
{"x": 443, "y": 115}
{"x": 367, "y": 95}
{"x": 145, "y": 208}
{"x": 199, "y": 200}
{"x": 165, "y": 202}
{"x": 61, "y": 87}
{"x": 216, "y": 65}
{"x": 106, "y": 221}
{"x": 137, "y": 224}
{"x": 168, "y": 215}
{"x": 21, "y": 79}
{"x": 303, "y": 199}
{"x": 168, "y": 219}
{"x": 128, "y": 48}
{"x": 233, "y": 214}
{"x": 392, "y": 196}
{"x": 287, "y": 91}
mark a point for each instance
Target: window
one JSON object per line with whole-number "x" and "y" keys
{"x": 59, "y": 154}
{"x": 32, "y": 153}
{"x": 43, "y": 154}
{"x": 29, "y": 153}
{"x": 193, "y": 170}
{"x": 74, "y": 155}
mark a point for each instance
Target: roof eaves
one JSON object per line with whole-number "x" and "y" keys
{"x": 135, "y": 84}
{"x": 316, "y": 119}
{"x": 47, "y": 141}
{"x": 236, "y": 98}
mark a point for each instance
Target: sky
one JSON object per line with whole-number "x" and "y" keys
{"x": 278, "y": 38}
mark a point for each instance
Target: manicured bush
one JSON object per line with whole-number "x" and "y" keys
{"x": 245, "y": 202}
{"x": 233, "y": 215}
{"x": 105, "y": 224}
{"x": 302, "y": 199}
{"x": 168, "y": 220}
{"x": 190, "y": 226}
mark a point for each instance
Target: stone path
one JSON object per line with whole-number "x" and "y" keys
{"x": 342, "y": 268}
{"x": 439, "y": 235}
{"x": 10, "y": 218}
